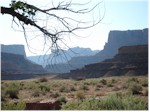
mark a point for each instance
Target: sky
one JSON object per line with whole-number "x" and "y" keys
{"x": 118, "y": 15}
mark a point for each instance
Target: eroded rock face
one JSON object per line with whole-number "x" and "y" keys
{"x": 116, "y": 39}
{"x": 131, "y": 60}
{"x": 18, "y": 63}
{"x": 13, "y": 49}
{"x": 15, "y": 65}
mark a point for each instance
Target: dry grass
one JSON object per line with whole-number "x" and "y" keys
{"x": 50, "y": 90}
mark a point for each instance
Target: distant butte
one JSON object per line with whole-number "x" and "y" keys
{"x": 130, "y": 61}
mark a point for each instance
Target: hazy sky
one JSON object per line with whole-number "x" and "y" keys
{"x": 119, "y": 15}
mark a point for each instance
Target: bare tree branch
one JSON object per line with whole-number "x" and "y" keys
{"x": 27, "y": 16}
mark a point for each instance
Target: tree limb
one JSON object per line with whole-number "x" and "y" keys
{"x": 26, "y": 14}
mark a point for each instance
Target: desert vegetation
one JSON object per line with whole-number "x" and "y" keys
{"x": 112, "y": 93}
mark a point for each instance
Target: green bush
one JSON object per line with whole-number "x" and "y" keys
{"x": 36, "y": 93}
{"x": 3, "y": 95}
{"x": 112, "y": 102}
{"x": 22, "y": 83}
{"x": 79, "y": 79}
{"x": 132, "y": 80}
{"x": 80, "y": 95}
{"x": 62, "y": 99}
{"x": 99, "y": 86}
{"x": 43, "y": 79}
{"x": 86, "y": 82}
{"x": 13, "y": 106}
{"x": 135, "y": 88}
{"x": 145, "y": 93}
{"x": 116, "y": 88}
{"x": 109, "y": 85}
{"x": 72, "y": 88}
{"x": 113, "y": 81}
{"x": 12, "y": 90}
{"x": 84, "y": 87}
{"x": 55, "y": 95}
{"x": 145, "y": 83}
{"x": 72, "y": 105}
{"x": 31, "y": 86}
{"x": 103, "y": 81}
{"x": 63, "y": 89}
{"x": 44, "y": 87}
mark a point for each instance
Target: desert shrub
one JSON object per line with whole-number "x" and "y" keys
{"x": 132, "y": 80}
{"x": 44, "y": 87}
{"x": 123, "y": 102}
{"x": 112, "y": 102}
{"x": 84, "y": 87}
{"x": 72, "y": 88}
{"x": 12, "y": 91}
{"x": 55, "y": 95}
{"x": 86, "y": 83}
{"x": 113, "y": 81}
{"x": 36, "y": 93}
{"x": 103, "y": 81}
{"x": 109, "y": 85}
{"x": 3, "y": 92}
{"x": 55, "y": 85}
{"x": 145, "y": 83}
{"x": 3, "y": 95}
{"x": 116, "y": 88}
{"x": 99, "y": 86}
{"x": 63, "y": 89}
{"x": 13, "y": 106}
{"x": 62, "y": 99}
{"x": 125, "y": 85}
{"x": 37, "y": 81}
{"x": 135, "y": 88}
{"x": 80, "y": 95}
{"x": 75, "y": 83}
{"x": 31, "y": 86}
{"x": 145, "y": 93}
{"x": 21, "y": 85}
{"x": 72, "y": 105}
{"x": 79, "y": 79}
{"x": 43, "y": 79}
{"x": 93, "y": 82}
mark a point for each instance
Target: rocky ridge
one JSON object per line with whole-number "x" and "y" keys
{"x": 62, "y": 56}
{"x": 13, "y": 49}
{"x": 15, "y": 65}
{"x": 116, "y": 39}
{"x": 130, "y": 60}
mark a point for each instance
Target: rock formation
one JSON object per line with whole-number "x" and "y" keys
{"x": 15, "y": 65}
{"x": 131, "y": 60}
{"x": 63, "y": 56}
{"x": 74, "y": 63}
{"x": 13, "y": 49}
{"x": 116, "y": 40}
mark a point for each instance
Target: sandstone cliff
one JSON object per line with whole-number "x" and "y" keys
{"x": 131, "y": 60}
{"x": 116, "y": 39}
{"x": 63, "y": 57}
{"x": 15, "y": 65}
{"x": 13, "y": 49}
